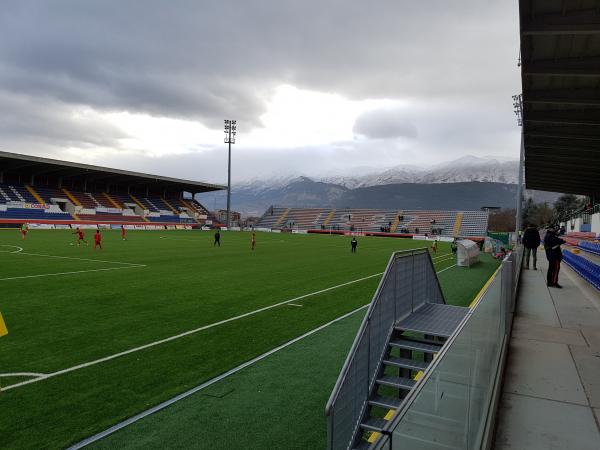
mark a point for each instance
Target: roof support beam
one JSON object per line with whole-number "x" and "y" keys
{"x": 564, "y": 117}
{"x": 565, "y": 67}
{"x": 580, "y": 22}
{"x": 574, "y": 97}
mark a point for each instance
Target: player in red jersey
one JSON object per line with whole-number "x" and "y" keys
{"x": 123, "y": 232}
{"x": 80, "y": 236}
{"x": 97, "y": 240}
{"x": 24, "y": 230}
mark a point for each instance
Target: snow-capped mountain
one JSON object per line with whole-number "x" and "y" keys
{"x": 465, "y": 169}
{"x": 254, "y": 196}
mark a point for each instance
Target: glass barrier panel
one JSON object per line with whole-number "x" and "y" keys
{"x": 450, "y": 410}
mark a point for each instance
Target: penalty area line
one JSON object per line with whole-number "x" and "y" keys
{"x": 22, "y": 374}
{"x": 179, "y": 336}
{"x": 187, "y": 333}
{"x": 70, "y": 273}
{"x": 206, "y": 384}
{"x": 82, "y": 259}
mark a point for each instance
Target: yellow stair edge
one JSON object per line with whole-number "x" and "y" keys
{"x": 190, "y": 207}
{"x": 282, "y": 217}
{"x": 112, "y": 200}
{"x": 32, "y": 191}
{"x": 396, "y": 222}
{"x": 71, "y": 197}
{"x": 329, "y": 217}
{"x": 134, "y": 198}
{"x": 457, "y": 224}
{"x": 169, "y": 205}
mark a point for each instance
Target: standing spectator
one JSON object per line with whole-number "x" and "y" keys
{"x": 562, "y": 230}
{"x": 531, "y": 242}
{"x": 552, "y": 245}
{"x": 353, "y": 244}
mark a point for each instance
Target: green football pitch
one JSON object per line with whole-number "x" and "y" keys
{"x": 96, "y": 337}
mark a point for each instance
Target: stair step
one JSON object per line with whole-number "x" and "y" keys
{"x": 405, "y": 363}
{"x": 397, "y": 382}
{"x": 363, "y": 445}
{"x": 415, "y": 345}
{"x": 385, "y": 402}
{"x": 374, "y": 424}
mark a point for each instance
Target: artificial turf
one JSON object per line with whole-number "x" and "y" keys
{"x": 83, "y": 314}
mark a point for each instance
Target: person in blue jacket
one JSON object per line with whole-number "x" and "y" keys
{"x": 552, "y": 245}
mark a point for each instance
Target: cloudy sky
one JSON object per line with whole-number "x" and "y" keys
{"x": 318, "y": 87}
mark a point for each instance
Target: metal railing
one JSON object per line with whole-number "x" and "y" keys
{"x": 409, "y": 282}
{"x": 453, "y": 405}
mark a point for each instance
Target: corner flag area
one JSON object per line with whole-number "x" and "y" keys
{"x": 97, "y": 338}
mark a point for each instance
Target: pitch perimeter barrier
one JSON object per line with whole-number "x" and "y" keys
{"x": 454, "y": 404}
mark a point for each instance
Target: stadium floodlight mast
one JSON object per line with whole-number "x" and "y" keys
{"x": 230, "y": 132}
{"x": 518, "y": 108}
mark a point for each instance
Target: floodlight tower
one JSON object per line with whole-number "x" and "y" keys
{"x": 518, "y": 107}
{"x": 230, "y": 132}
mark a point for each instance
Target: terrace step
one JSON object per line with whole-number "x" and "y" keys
{"x": 403, "y": 383}
{"x": 374, "y": 424}
{"x": 363, "y": 445}
{"x": 385, "y": 402}
{"x": 417, "y": 346}
{"x": 405, "y": 363}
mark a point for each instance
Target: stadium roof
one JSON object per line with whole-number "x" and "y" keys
{"x": 33, "y": 165}
{"x": 560, "y": 71}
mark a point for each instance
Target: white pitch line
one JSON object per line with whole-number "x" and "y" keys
{"x": 443, "y": 270}
{"x": 82, "y": 259}
{"x": 22, "y": 374}
{"x": 19, "y": 249}
{"x": 178, "y": 336}
{"x": 293, "y": 304}
{"x": 187, "y": 333}
{"x": 70, "y": 273}
{"x": 206, "y": 384}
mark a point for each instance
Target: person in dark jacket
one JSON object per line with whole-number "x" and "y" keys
{"x": 531, "y": 242}
{"x": 552, "y": 245}
{"x": 353, "y": 244}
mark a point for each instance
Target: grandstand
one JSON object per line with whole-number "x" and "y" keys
{"x": 51, "y": 192}
{"x": 398, "y": 222}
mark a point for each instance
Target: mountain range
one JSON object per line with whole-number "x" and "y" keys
{"x": 466, "y": 183}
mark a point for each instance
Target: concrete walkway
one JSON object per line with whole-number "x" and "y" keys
{"x": 551, "y": 392}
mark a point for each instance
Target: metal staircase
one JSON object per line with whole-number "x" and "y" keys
{"x": 406, "y": 325}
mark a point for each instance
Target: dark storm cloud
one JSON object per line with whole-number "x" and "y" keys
{"x": 203, "y": 59}
{"x": 25, "y": 121}
{"x": 384, "y": 124}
